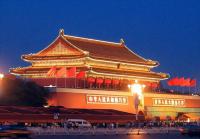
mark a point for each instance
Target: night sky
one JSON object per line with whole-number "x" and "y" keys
{"x": 167, "y": 31}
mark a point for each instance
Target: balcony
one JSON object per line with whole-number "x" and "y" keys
{"x": 84, "y": 83}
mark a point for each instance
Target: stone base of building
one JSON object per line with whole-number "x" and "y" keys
{"x": 154, "y": 106}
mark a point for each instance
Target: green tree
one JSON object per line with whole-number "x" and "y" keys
{"x": 18, "y": 92}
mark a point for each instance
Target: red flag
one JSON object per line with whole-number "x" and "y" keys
{"x": 170, "y": 82}
{"x": 193, "y": 83}
{"x": 187, "y": 82}
{"x": 175, "y": 81}
{"x": 81, "y": 74}
{"x": 71, "y": 72}
{"x": 62, "y": 72}
{"x": 52, "y": 71}
{"x": 182, "y": 82}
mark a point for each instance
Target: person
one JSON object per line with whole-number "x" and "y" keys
{"x": 112, "y": 125}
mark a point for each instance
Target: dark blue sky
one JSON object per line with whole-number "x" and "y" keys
{"x": 164, "y": 30}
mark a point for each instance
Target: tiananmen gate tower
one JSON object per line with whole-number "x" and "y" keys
{"x": 94, "y": 74}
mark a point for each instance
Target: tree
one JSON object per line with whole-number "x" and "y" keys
{"x": 18, "y": 92}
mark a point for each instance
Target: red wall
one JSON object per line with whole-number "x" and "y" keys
{"x": 78, "y": 100}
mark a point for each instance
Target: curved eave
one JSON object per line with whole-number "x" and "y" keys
{"x": 22, "y": 71}
{"x": 146, "y": 61}
{"x": 158, "y": 76}
{"x": 15, "y": 72}
{"x": 53, "y": 57}
{"x": 40, "y": 70}
{"x": 117, "y": 74}
{"x": 30, "y": 58}
{"x": 151, "y": 65}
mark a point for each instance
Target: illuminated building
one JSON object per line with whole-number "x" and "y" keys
{"x": 109, "y": 67}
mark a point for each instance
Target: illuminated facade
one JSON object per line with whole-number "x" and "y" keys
{"x": 109, "y": 67}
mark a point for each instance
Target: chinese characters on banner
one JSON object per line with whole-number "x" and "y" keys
{"x": 105, "y": 99}
{"x": 168, "y": 102}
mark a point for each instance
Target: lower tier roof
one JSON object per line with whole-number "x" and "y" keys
{"x": 90, "y": 71}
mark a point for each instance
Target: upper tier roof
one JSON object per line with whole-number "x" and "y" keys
{"x": 107, "y": 50}
{"x": 95, "y": 49}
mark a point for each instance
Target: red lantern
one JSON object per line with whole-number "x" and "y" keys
{"x": 90, "y": 80}
{"x": 99, "y": 81}
{"x": 107, "y": 82}
{"x": 148, "y": 84}
{"x": 154, "y": 85}
{"x": 115, "y": 82}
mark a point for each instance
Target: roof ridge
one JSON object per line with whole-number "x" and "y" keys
{"x": 94, "y": 40}
{"x": 59, "y": 37}
{"x": 147, "y": 60}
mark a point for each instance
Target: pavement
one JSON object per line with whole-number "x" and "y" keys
{"x": 102, "y": 131}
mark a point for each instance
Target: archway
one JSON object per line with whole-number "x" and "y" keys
{"x": 141, "y": 116}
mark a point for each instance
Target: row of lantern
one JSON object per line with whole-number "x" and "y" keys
{"x": 100, "y": 81}
{"x": 114, "y": 82}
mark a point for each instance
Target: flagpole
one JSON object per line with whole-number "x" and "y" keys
{"x": 195, "y": 89}
{"x": 55, "y": 80}
{"x": 75, "y": 81}
{"x": 65, "y": 76}
{"x": 65, "y": 81}
{"x": 84, "y": 83}
{"x": 75, "y": 75}
{"x": 189, "y": 89}
{"x": 196, "y": 86}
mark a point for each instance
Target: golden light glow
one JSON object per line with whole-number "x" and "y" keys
{"x": 136, "y": 88}
{"x": 46, "y": 106}
{"x": 1, "y": 75}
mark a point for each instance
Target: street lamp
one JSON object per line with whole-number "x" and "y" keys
{"x": 1, "y": 76}
{"x": 136, "y": 90}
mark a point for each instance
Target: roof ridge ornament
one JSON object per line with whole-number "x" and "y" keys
{"x": 86, "y": 53}
{"x": 61, "y": 32}
{"x": 122, "y": 41}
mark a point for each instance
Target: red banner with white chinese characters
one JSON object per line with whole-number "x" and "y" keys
{"x": 168, "y": 102}
{"x": 107, "y": 99}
